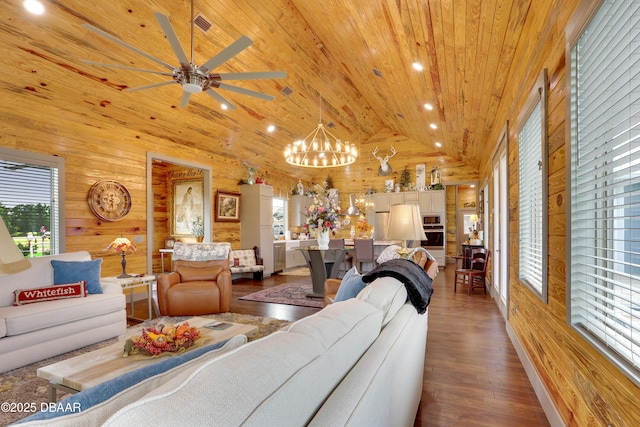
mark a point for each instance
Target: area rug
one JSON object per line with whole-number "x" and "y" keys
{"x": 301, "y": 271}
{"x": 288, "y": 293}
{"x": 22, "y": 386}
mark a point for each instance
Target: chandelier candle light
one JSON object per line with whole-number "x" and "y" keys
{"x": 122, "y": 245}
{"x": 320, "y": 149}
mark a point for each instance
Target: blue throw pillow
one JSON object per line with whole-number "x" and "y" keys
{"x": 350, "y": 286}
{"x": 74, "y": 271}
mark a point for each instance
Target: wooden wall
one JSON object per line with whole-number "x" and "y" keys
{"x": 585, "y": 387}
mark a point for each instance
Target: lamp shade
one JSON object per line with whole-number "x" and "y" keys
{"x": 120, "y": 245}
{"x": 405, "y": 223}
{"x": 11, "y": 259}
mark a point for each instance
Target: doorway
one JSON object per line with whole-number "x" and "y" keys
{"x": 156, "y": 238}
{"x": 499, "y": 241}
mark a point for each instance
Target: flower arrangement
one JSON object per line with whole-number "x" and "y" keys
{"x": 323, "y": 212}
{"x": 363, "y": 227}
{"x": 197, "y": 227}
{"x": 252, "y": 169}
{"x": 120, "y": 245}
{"x": 162, "y": 339}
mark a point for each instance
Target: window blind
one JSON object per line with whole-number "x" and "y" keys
{"x": 604, "y": 264}
{"x": 530, "y": 183}
{"x": 29, "y": 203}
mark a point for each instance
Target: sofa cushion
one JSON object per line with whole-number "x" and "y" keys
{"x": 390, "y": 252}
{"x": 246, "y": 257}
{"x": 100, "y": 402}
{"x": 74, "y": 271}
{"x": 350, "y": 286}
{"x": 49, "y": 293}
{"x": 281, "y": 379}
{"x": 386, "y": 293}
{"x": 33, "y": 317}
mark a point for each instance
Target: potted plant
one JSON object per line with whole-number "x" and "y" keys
{"x": 405, "y": 179}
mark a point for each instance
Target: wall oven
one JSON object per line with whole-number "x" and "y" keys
{"x": 434, "y": 231}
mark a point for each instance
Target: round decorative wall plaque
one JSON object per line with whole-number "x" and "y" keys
{"x": 109, "y": 200}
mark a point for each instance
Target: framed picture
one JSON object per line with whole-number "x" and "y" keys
{"x": 186, "y": 205}
{"x": 227, "y": 207}
{"x": 388, "y": 185}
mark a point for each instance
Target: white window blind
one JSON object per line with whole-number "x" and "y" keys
{"x": 604, "y": 263}
{"x": 29, "y": 200}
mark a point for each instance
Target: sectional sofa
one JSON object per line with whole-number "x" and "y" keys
{"x": 35, "y": 331}
{"x": 357, "y": 362}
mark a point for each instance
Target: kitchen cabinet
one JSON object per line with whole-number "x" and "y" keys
{"x": 256, "y": 222}
{"x": 298, "y": 205}
{"x": 432, "y": 201}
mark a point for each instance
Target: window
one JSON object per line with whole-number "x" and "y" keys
{"x": 279, "y": 217}
{"x": 532, "y": 189}
{"x": 604, "y": 237}
{"x": 30, "y": 189}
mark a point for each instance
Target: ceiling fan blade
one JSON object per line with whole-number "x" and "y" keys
{"x": 167, "y": 28}
{"x": 133, "y": 89}
{"x": 184, "y": 101}
{"x": 128, "y": 46}
{"x": 248, "y": 92}
{"x": 253, "y": 76}
{"x": 162, "y": 73}
{"x": 229, "y": 52}
{"x": 221, "y": 99}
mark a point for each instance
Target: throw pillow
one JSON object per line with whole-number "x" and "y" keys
{"x": 350, "y": 286}
{"x": 389, "y": 253}
{"x": 49, "y": 293}
{"x": 74, "y": 271}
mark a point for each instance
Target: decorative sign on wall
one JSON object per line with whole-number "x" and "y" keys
{"x": 421, "y": 171}
{"x": 470, "y": 205}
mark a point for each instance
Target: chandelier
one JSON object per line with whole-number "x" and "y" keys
{"x": 320, "y": 149}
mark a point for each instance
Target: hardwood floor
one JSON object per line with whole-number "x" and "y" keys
{"x": 472, "y": 375}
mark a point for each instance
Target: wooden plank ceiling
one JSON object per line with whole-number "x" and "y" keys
{"x": 349, "y": 61}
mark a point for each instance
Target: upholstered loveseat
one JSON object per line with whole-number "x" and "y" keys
{"x": 37, "y": 330}
{"x": 357, "y": 362}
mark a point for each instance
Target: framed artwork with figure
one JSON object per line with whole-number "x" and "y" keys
{"x": 227, "y": 207}
{"x": 186, "y": 206}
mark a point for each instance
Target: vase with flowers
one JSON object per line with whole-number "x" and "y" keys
{"x": 322, "y": 215}
{"x": 197, "y": 228}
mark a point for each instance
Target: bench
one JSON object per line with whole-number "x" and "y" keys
{"x": 248, "y": 262}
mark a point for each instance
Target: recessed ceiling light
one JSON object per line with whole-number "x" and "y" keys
{"x": 438, "y": 144}
{"x": 271, "y": 128}
{"x": 428, "y": 107}
{"x": 224, "y": 106}
{"x": 417, "y": 66}
{"x": 34, "y": 6}
{"x": 433, "y": 126}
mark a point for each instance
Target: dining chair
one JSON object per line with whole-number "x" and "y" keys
{"x": 348, "y": 258}
{"x": 364, "y": 253}
{"x": 474, "y": 276}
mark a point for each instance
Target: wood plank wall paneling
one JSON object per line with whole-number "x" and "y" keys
{"x": 586, "y": 388}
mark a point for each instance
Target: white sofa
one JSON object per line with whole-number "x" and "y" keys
{"x": 32, "y": 332}
{"x": 356, "y": 362}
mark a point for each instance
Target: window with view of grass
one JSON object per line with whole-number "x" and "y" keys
{"x": 603, "y": 261}
{"x": 30, "y": 189}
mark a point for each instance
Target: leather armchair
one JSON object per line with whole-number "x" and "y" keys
{"x": 195, "y": 288}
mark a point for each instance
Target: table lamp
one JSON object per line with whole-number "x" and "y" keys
{"x": 12, "y": 260}
{"x": 122, "y": 245}
{"x": 405, "y": 223}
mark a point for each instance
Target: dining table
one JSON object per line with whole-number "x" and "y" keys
{"x": 323, "y": 264}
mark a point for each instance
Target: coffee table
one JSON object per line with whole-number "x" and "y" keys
{"x": 93, "y": 368}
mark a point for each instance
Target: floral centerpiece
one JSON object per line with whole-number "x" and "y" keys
{"x": 197, "y": 227}
{"x": 252, "y": 169}
{"x": 363, "y": 227}
{"x": 160, "y": 339}
{"x": 323, "y": 212}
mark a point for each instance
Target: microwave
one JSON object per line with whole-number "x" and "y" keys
{"x": 431, "y": 220}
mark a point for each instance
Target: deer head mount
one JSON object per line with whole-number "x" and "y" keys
{"x": 385, "y": 168}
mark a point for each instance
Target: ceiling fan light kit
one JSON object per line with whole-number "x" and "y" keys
{"x": 192, "y": 78}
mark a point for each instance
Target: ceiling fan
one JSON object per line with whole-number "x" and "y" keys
{"x": 193, "y": 78}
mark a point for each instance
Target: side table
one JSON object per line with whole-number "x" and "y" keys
{"x": 135, "y": 281}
